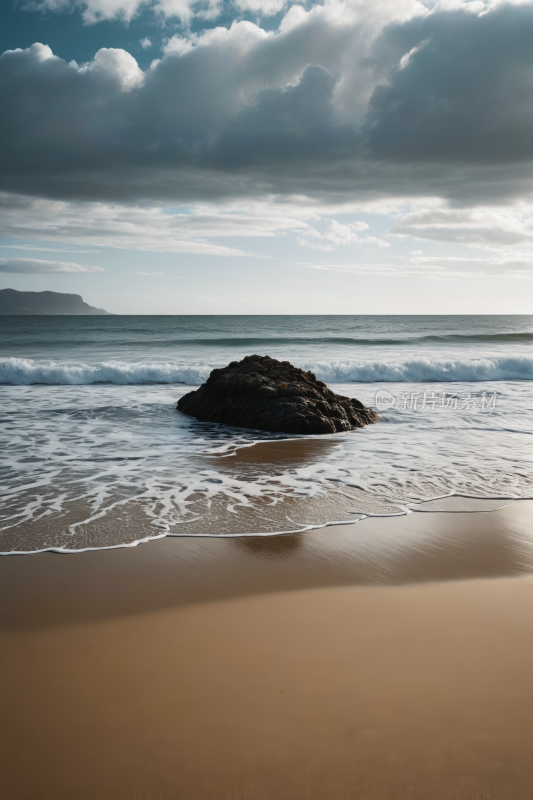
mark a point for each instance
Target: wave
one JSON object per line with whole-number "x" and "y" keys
{"x": 427, "y": 370}
{"x": 263, "y": 342}
{"x": 489, "y": 338}
{"x": 25, "y": 371}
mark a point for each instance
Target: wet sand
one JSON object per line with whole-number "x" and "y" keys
{"x": 388, "y": 659}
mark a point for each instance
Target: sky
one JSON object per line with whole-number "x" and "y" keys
{"x": 269, "y": 157}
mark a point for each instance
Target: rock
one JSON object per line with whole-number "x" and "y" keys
{"x": 268, "y": 395}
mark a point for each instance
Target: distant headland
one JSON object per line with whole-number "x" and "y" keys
{"x": 13, "y": 302}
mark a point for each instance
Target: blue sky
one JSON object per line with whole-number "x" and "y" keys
{"x": 258, "y": 156}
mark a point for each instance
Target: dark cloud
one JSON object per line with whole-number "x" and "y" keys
{"x": 464, "y": 92}
{"x": 297, "y": 124}
{"x": 331, "y": 108}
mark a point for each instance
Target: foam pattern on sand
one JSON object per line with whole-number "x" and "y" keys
{"x": 107, "y": 466}
{"x": 459, "y": 504}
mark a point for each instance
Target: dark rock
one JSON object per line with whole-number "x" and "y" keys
{"x": 260, "y": 392}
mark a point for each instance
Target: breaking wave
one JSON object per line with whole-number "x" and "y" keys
{"x": 25, "y": 371}
{"x": 421, "y": 370}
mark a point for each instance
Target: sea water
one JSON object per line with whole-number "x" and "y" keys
{"x": 94, "y": 453}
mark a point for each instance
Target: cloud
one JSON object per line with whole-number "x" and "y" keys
{"x": 342, "y": 234}
{"x": 265, "y": 8}
{"x": 94, "y": 11}
{"x": 483, "y": 227}
{"x": 138, "y": 228}
{"x": 36, "y": 266}
{"x": 145, "y": 43}
{"x": 382, "y": 270}
{"x": 344, "y": 101}
{"x": 40, "y": 248}
{"x": 462, "y": 92}
{"x": 111, "y": 63}
{"x": 229, "y": 112}
{"x": 509, "y": 264}
{"x": 437, "y": 268}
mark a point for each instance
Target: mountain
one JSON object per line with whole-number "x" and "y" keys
{"x": 13, "y": 302}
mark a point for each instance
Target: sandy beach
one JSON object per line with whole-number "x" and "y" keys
{"x": 388, "y": 659}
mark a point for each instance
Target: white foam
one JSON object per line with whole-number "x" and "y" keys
{"x": 27, "y": 371}
{"x": 77, "y": 459}
{"x": 421, "y": 370}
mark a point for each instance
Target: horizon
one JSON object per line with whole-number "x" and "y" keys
{"x": 242, "y": 314}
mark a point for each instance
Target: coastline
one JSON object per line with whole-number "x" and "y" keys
{"x": 392, "y": 660}
{"x": 48, "y": 589}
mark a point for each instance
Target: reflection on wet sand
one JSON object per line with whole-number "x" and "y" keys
{"x": 459, "y": 504}
{"x": 283, "y": 453}
{"x": 50, "y": 589}
{"x": 270, "y": 546}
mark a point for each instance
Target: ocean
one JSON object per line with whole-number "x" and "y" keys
{"x": 94, "y": 453}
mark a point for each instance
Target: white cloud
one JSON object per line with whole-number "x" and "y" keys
{"x": 94, "y": 11}
{"x": 41, "y": 249}
{"x": 508, "y": 264}
{"x": 136, "y": 228}
{"x": 492, "y": 228}
{"x": 457, "y": 270}
{"x": 36, "y": 266}
{"x": 265, "y": 8}
{"x": 182, "y": 9}
{"x": 145, "y": 43}
{"x": 393, "y": 270}
{"x": 110, "y": 62}
{"x": 343, "y": 233}
{"x": 338, "y": 233}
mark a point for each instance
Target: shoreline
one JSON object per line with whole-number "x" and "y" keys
{"x": 447, "y": 503}
{"x": 173, "y": 571}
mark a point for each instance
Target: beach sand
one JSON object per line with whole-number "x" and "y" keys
{"x": 388, "y": 659}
